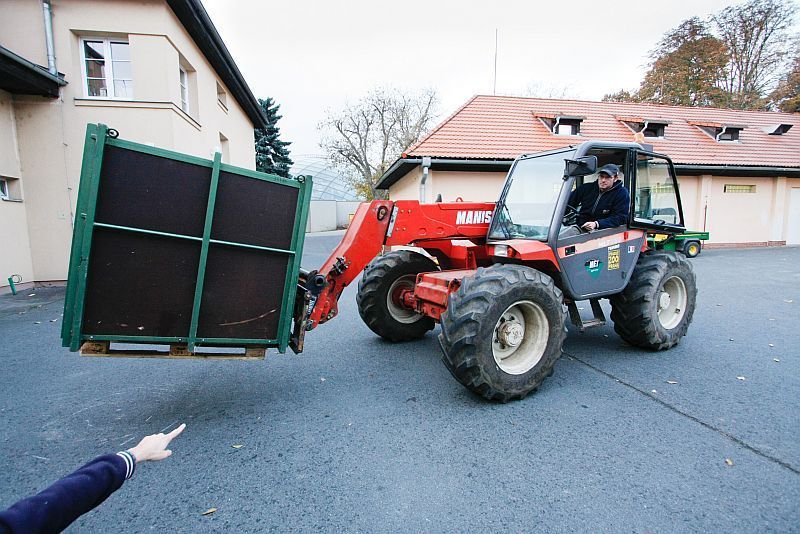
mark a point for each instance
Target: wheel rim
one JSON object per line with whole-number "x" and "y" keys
{"x": 399, "y": 312}
{"x": 520, "y": 337}
{"x": 693, "y": 249}
{"x": 672, "y": 302}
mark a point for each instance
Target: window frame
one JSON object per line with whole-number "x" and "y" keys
{"x": 109, "y": 67}
{"x": 651, "y": 224}
{"x": 183, "y": 82}
{"x": 222, "y": 96}
{"x": 10, "y": 190}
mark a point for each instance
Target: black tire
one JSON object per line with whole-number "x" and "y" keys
{"x": 471, "y": 331}
{"x": 642, "y": 316}
{"x": 691, "y": 249}
{"x": 386, "y": 274}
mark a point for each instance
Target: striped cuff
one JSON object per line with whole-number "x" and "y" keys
{"x": 130, "y": 463}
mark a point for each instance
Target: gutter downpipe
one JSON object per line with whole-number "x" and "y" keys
{"x": 426, "y": 168}
{"x": 48, "y": 35}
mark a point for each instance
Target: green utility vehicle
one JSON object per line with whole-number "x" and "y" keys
{"x": 687, "y": 242}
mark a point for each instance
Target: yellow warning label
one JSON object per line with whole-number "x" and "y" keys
{"x": 613, "y": 258}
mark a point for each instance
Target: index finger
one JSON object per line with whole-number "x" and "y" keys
{"x": 177, "y": 432}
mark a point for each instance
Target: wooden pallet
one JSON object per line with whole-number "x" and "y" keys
{"x": 176, "y": 351}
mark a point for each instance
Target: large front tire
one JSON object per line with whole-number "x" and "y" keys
{"x": 503, "y": 331}
{"x": 384, "y": 280}
{"x": 656, "y": 307}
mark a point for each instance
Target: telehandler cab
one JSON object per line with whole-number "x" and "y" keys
{"x": 501, "y": 278}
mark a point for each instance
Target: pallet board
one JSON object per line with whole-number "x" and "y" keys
{"x": 177, "y": 250}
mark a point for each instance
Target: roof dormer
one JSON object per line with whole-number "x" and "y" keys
{"x": 720, "y": 132}
{"x": 559, "y": 124}
{"x": 647, "y": 127}
{"x": 777, "y": 129}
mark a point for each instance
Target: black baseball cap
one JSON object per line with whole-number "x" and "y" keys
{"x": 610, "y": 169}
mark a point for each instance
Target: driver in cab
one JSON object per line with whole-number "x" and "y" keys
{"x": 603, "y": 203}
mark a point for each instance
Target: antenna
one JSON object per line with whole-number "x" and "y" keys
{"x": 494, "y": 88}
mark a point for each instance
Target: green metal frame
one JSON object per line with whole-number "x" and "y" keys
{"x": 97, "y": 138}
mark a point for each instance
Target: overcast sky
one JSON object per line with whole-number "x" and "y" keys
{"x": 315, "y": 56}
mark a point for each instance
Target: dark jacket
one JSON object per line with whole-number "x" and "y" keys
{"x": 609, "y": 209}
{"x": 56, "y": 507}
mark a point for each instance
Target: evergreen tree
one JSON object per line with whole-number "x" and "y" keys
{"x": 272, "y": 154}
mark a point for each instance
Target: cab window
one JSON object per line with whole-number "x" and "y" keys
{"x": 655, "y": 200}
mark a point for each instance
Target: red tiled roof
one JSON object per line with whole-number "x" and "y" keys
{"x": 504, "y": 127}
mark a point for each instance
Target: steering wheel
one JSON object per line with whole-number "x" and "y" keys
{"x": 570, "y": 216}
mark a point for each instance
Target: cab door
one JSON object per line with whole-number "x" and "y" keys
{"x": 655, "y": 198}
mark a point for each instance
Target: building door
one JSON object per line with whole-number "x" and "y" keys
{"x": 793, "y": 231}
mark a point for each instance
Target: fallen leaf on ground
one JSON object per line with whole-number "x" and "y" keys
{"x": 209, "y": 511}
{"x": 32, "y": 295}
{"x": 237, "y": 446}
{"x": 771, "y": 345}
{"x": 53, "y": 320}
{"x": 728, "y": 462}
{"x": 775, "y": 360}
{"x": 719, "y": 304}
{"x": 787, "y": 301}
{"x": 771, "y": 319}
{"x": 731, "y": 339}
{"x": 671, "y": 382}
{"x": 322, "y": 379}
{"x": 653, "y": 391}
{"x": 37, "y": 322}
{"x": 740, "y": 378}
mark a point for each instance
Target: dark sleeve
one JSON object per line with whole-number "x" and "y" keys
{"x": 53, "y": 509}
{"x": 619, "y": 210}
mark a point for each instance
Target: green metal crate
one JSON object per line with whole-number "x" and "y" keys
{"x": 173, "y": 249}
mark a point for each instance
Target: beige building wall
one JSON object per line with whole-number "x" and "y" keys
{"x": 50, "y": 132}
{"x": 15, "y": 253}
{"x": 469, "y": 186}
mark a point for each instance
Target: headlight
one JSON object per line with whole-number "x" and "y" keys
{"x": 501, "y": 250}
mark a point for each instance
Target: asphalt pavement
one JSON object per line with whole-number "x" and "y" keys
{"x": 360, "y": 435}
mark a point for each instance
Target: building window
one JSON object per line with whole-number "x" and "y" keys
{"x": 646, "y": 127}
{"x": 106, "y": 68}
{"x": 653, "y": 129}
{"x": 567, "y": 127}
{"x": 778, "y": 129}
{"x": 222, "y": 96}
{"x": 728, "y": 134}
{"x": 9, "y": 189}
{"x": 736, "y": 188}
{"x": 184, "y": 81}
{"x": 224, "y": 148}
{"x": 720, "y": 132}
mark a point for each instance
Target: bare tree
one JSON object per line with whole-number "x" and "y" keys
{"x": 364, "y": 138}
{"x": 539, "y": 89}
{"x": 757, "y": 37}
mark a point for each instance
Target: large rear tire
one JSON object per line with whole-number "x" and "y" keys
{"x": 384, "y": 280}
{"x": 503, "y": 331}
{"x": 655, "y": 309}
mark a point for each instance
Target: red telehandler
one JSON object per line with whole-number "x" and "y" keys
{"x": 501, "y": 278}
{"x": 171, "y": 249}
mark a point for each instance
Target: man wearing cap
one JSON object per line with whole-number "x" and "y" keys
{"x": 603, "y": 203}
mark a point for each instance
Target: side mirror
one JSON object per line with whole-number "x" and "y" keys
{"x": 580, "y": 167}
